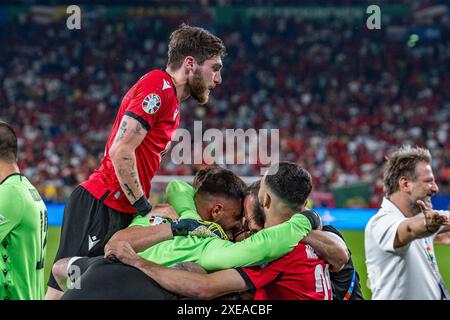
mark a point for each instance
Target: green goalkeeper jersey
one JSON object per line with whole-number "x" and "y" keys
{"x": 23, "y": 235}
{"x": 214, "y": 253}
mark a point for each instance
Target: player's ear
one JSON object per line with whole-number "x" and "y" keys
{"x": 216, "y": 210}
{"x": 305, "y": 205}
{"x": 267, "y": 200}
{"x": 189, "y": 63}
{"x": 404, "y": 183}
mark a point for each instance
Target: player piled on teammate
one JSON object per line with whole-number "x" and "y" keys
{"x": 23, "y": 227}
{"x": 299, "y": 274}
{"x": 147, "y": 118}
{"x": 210, "y": 253}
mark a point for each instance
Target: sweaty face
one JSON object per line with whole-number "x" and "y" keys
{"x": 423, "y": 187}
{"x": 250, "y": 223}
{"x": 205, "y": 78}
{"x": 252, "y": 209}
{"x": 230, "y": 217}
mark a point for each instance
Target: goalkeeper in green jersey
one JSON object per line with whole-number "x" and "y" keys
{"x": 23, "y": 227}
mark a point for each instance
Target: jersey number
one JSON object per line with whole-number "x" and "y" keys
{"x": 44, "y": 228}
{"x": 323, "y": 280}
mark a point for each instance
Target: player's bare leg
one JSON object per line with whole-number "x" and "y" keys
{"x": 59, "y": 271}
{"x": 53, "y": 294}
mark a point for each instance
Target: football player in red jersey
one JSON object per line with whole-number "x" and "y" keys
{"x": 147, "y": 118}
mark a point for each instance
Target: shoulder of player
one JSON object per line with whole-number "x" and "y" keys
{"x": 9, "y": 187}
{"x": 158, "y": 82}
{"x": 302, "y": 252}
{"x": 298, "y": 252}
{"x": 385, "y": 217}
{"x": 11, "y": 194}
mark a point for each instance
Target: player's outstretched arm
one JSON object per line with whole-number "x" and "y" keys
{"x": 128, "y": 138}
{"x": 420, "y": 226}
{"x": 141, "y": 238}
{"x": 141, "y": 234}
{"x": 264, "y": 246}
{"x": 185, "y": 283}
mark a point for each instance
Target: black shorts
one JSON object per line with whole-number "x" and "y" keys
{"x": 106, "y": 279}
{"x": 87, "y": 226}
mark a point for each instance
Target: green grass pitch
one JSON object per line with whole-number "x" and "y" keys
{"x": 354, "y": 239}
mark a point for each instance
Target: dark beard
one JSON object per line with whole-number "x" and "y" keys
{"x": 258, "y": 213}
{"x": 198, "y": 88}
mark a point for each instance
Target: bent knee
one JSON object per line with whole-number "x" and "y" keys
{"x": 59, "y": 269}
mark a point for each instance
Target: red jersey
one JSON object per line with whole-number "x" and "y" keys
{"x": 153, "y": 102}
{"x": 299, "y": 275}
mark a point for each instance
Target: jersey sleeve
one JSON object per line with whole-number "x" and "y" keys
{"x": 11, "y": 211}
{"x": 180, "y": 195}
{"x": 265, "y": 246}
{"x": 384, "y": 230}
{"x": 147, "y": 101}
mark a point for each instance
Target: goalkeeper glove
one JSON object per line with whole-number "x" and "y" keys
{"x": 197, "y": 228}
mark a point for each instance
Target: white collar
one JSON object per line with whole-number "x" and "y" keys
{"x": 388, "y": 205}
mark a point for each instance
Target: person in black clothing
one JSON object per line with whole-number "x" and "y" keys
{"x": 345, "y": 283}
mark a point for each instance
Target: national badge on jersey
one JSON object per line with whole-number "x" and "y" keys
{"x": 151, "y": 103}
{"x": 155, "y": 220}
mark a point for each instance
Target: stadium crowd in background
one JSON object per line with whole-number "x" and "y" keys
{"x": 341, "y": 96}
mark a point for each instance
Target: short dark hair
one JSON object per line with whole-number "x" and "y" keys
{"x": 402, "y": 163}
{"x": 8, "y": 143}
{"x": 257, "y": 210}
{"x": 290, "y": 182}
{"x": 193, "y": 41}
{"x": 253, "y": 188}
{"x": 202, "y": 173}
{"x": 220, "y": 182}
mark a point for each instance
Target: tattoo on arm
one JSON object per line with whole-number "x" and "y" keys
{"x": 136, "y": 183}
{"x": 128, "y": 137}
{"x": 129, "y": 191}
{"x": 138, "y": 128}
{"x": 136, "y": 180}
{"x": 121, "y": 131}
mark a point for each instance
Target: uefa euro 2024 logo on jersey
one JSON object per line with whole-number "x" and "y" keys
{"x": 151, "y": 103}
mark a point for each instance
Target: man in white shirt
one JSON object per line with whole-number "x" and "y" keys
{"x": 399, "y": 239}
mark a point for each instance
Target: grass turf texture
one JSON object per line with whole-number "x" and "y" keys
{"x": 354, "y": 239}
